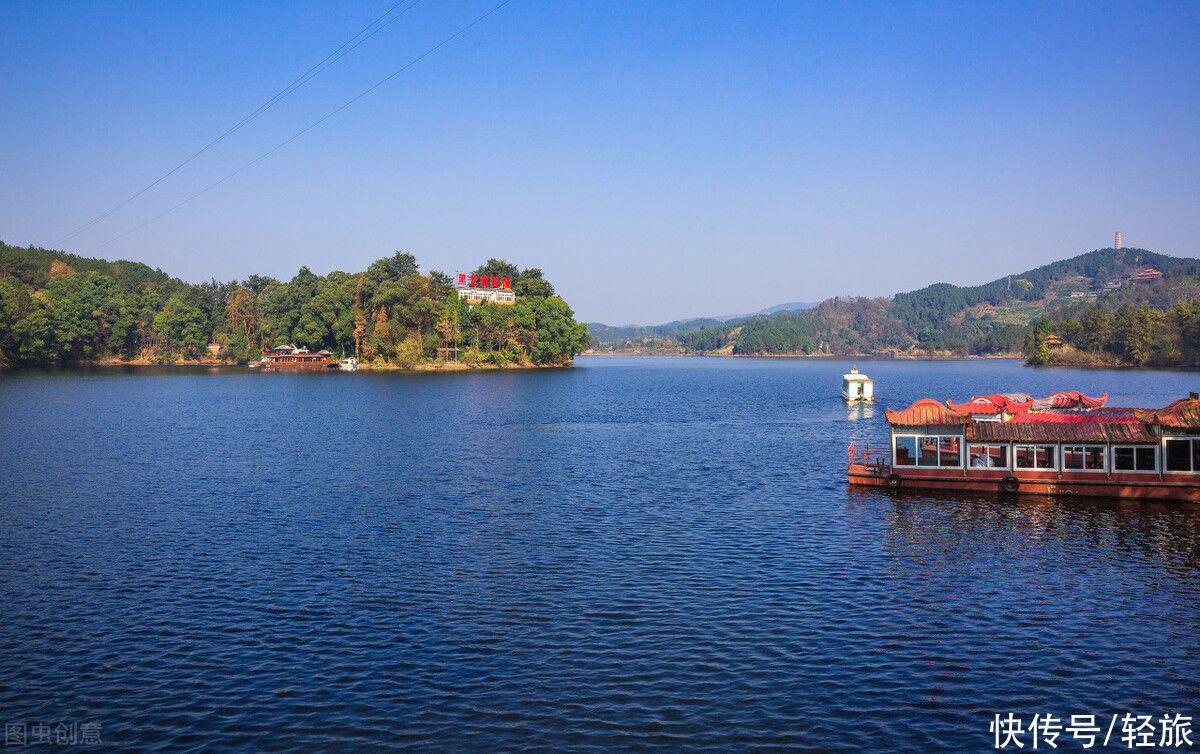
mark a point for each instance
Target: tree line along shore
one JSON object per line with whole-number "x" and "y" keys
{"x": 59, "y": 308}
{"x": 1109, "y": 307}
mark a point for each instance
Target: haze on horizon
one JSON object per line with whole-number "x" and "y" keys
{"x": 657, "y": 161}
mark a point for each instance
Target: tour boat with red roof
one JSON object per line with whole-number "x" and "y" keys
{"x": 1064, "y": 444}
{"x": 290, "y": 357}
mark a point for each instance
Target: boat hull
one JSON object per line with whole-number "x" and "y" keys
{"x": 296, "y": 367}
{"x": 1126, "y": 486}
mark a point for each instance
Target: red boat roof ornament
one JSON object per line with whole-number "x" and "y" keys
{"x": 926, "y": 412}
{"x": 1181, "y": 414}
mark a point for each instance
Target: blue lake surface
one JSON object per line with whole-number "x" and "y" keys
{"x": 636, "y": 553}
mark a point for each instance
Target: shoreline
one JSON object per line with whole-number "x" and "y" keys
{"x": 457, "y": 366}
{"x": 1115, "y": 367}
{"x": 826, "y": 356}
{"x": 448, "y": 366}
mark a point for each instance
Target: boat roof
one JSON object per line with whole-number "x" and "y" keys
{"x": 1181, "y": 414}
{"x": 1101, "y": 425}
{"x": 977, "y": 405}
{"x": 1066, "y": 416}
{"x": 1062, "y": 431}
{"x": 1017, "y": 402}
{"x": 927, "y": 412}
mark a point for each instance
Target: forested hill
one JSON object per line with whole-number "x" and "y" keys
{"x": 667, "y": 335}
{"x": 993, "y": 318}
{"x": 61, "y": 308}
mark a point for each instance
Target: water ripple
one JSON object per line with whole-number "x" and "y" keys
{"x": 649, "y": 554}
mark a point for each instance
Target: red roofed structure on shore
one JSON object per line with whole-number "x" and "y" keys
{"x": 1064, "y": 444}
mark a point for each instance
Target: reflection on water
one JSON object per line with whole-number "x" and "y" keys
{"x": 1046, "y": 602}
{"x": 1125, "y": 530}
{"x": 856, "y": 410}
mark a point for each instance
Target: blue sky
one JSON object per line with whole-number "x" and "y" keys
{"x": 658, "y": 160}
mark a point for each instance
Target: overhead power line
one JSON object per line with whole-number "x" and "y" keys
{"x": 342, "y": 51}
{"x": 462, "y": 30}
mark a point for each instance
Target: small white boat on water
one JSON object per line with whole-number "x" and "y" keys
{"x": 857, "y": 386}
{"x": 348, "y": 365}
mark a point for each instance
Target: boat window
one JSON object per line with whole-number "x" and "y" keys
{"x": 928, "y": 451}
{"x": 1146, "y": 459}
{"x": 1134, "y": 458}
{"x": 1179, "y": 455}
{"x": 948, "y": 451}
{"x": 1182, "y": 455}
{"x": 1045, "y": 456}
{"x": 1083, "y": 457}
{"x": 1034, "y": 456}
{"x": 989, "y": 456}
{"x": 906, "y": 451}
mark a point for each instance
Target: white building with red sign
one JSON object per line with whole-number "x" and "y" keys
{"x": 477, "y": 289}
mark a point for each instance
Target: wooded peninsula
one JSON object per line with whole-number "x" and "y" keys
{"x": 59, "y": 308}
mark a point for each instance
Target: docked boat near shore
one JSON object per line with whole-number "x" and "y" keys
{"x": 1065, "y": 444}
{"x": 290, "y": 357}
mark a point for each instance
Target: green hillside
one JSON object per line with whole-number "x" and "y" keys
{"x": 658, "y": 337}
{"x": 942, "y": 311}
{"x": 680, "y": 335}
{"x": 33, "y": 267}
{"x": 993, "y": 318}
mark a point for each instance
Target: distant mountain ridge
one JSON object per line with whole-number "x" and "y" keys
{"x": 603, "y": 333}
{"x": 985, "y": 319}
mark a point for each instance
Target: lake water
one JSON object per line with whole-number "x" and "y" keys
{"x": 636, "y": 553}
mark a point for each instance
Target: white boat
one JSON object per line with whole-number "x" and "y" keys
{"x": 857, "y": 387}
{"x": 348, "y": 365}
